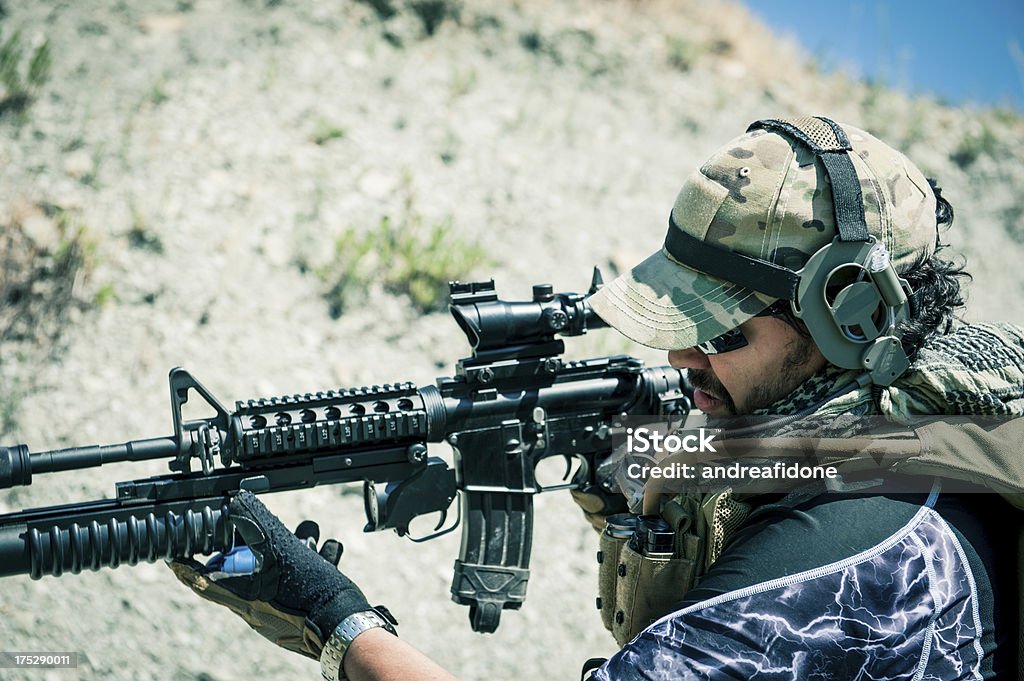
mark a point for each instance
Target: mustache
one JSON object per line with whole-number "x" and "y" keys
{"x": 707, "y": 382}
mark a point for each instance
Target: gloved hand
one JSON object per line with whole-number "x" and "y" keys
{"x": 598, "y": 503}
{"x": 293, "y": 596}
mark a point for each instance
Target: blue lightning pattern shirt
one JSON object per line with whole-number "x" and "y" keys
{"x": 904, "y": 608}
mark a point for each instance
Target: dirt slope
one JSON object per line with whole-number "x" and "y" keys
{"x": 208, "y": 147}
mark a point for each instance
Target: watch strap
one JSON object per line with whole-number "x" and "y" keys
{"x": 337, "y": 644}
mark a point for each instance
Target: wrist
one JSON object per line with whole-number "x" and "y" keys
{"x": 341, "y": 599}
{"x": 332, "y": 658}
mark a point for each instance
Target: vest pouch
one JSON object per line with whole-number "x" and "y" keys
{"x": 618, "y": 529}
{"x": 608, "y": 562}
{"x": 646, "y": 589}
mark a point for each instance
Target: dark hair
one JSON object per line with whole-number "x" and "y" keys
{"x": 935, "y": 282}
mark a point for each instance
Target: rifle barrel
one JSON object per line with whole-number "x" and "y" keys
{"x": 96, "y": 455}
{"x": 17, "y": 464}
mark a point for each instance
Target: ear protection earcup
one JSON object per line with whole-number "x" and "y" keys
{"x": 851, "y": 301}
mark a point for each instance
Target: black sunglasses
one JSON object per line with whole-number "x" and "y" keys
{"x": 733, "y": 339}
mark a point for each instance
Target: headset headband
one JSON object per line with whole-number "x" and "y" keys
{"x": 829, "y": 143}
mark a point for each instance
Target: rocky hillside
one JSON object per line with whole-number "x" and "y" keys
{"x": 177, "y": 177}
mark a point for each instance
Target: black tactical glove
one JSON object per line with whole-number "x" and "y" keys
{"x": 597, "y": 502}
{"x": 293, "y": 596}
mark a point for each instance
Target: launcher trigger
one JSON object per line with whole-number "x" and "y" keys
{"x": 441, "y": 521}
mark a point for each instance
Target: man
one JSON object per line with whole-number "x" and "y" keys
{"x": 798, "y": 276}
{"x": 809, "y": 588}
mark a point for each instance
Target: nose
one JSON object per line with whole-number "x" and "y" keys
{"x": 690, "y": 358}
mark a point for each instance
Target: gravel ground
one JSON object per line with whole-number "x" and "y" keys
{"x": 555, "y": 134}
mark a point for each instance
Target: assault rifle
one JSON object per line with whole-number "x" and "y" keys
{"x": 514, "y": 402}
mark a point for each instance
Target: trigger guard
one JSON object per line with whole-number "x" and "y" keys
{"x": 584, "y": 470}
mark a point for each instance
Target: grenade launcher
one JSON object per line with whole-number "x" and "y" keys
{"x": 514, "y": 402}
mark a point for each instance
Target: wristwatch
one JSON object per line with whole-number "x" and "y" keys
{"x": 337, "y": 645}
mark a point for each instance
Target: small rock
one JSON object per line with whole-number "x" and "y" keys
{"x": 357, "y": 60}
{"x": 157, "y": 24}
{"x": 78, "y": 164}
{"x": 150, "y": 573}
{"x": 310, "y": 338}
{"x": 376, "y": 185}
{"x": 731, "y": 68}
{"x": 41, "y": 230}
{"x": 277, "y": 249}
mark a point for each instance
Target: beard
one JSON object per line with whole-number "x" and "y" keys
{"x": 770, "y": 390}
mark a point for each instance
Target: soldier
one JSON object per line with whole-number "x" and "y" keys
{"x": 800, "y": 274}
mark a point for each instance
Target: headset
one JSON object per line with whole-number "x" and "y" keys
{"x": 848, "y": 293}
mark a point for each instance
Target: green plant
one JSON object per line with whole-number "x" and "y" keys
{"x": 157, "y": 94}
{"x": 872, "y": 102}
{"x": 532, "y": 41}
{"x": 45, "y": 256}
{"x": 11, "y": 395}
{"x": 974, "y": 145}
{"x": 326, "y": 131}
{"x": 915, "y": 128}
{"x": 682, "y": 53}
{"x": 141, "y": 236}
{"x": 463, "y": 81}
{"x": 40, "y": 278}
{"x": 449, "y": 150}
{"x": 105, "y": 294}
{"x": 432, "y": 13}
{"x": 18, "y": 91}
{"x": 572, "y": 47}
{"x": 384, "y": 8}
{"x": 405, "y": 256}
{"x": 91, "y": 177}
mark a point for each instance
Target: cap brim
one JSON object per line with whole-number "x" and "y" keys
{"x": 668, "y": 306}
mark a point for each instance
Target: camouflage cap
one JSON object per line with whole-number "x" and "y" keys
{"x": 767, "y": 196}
